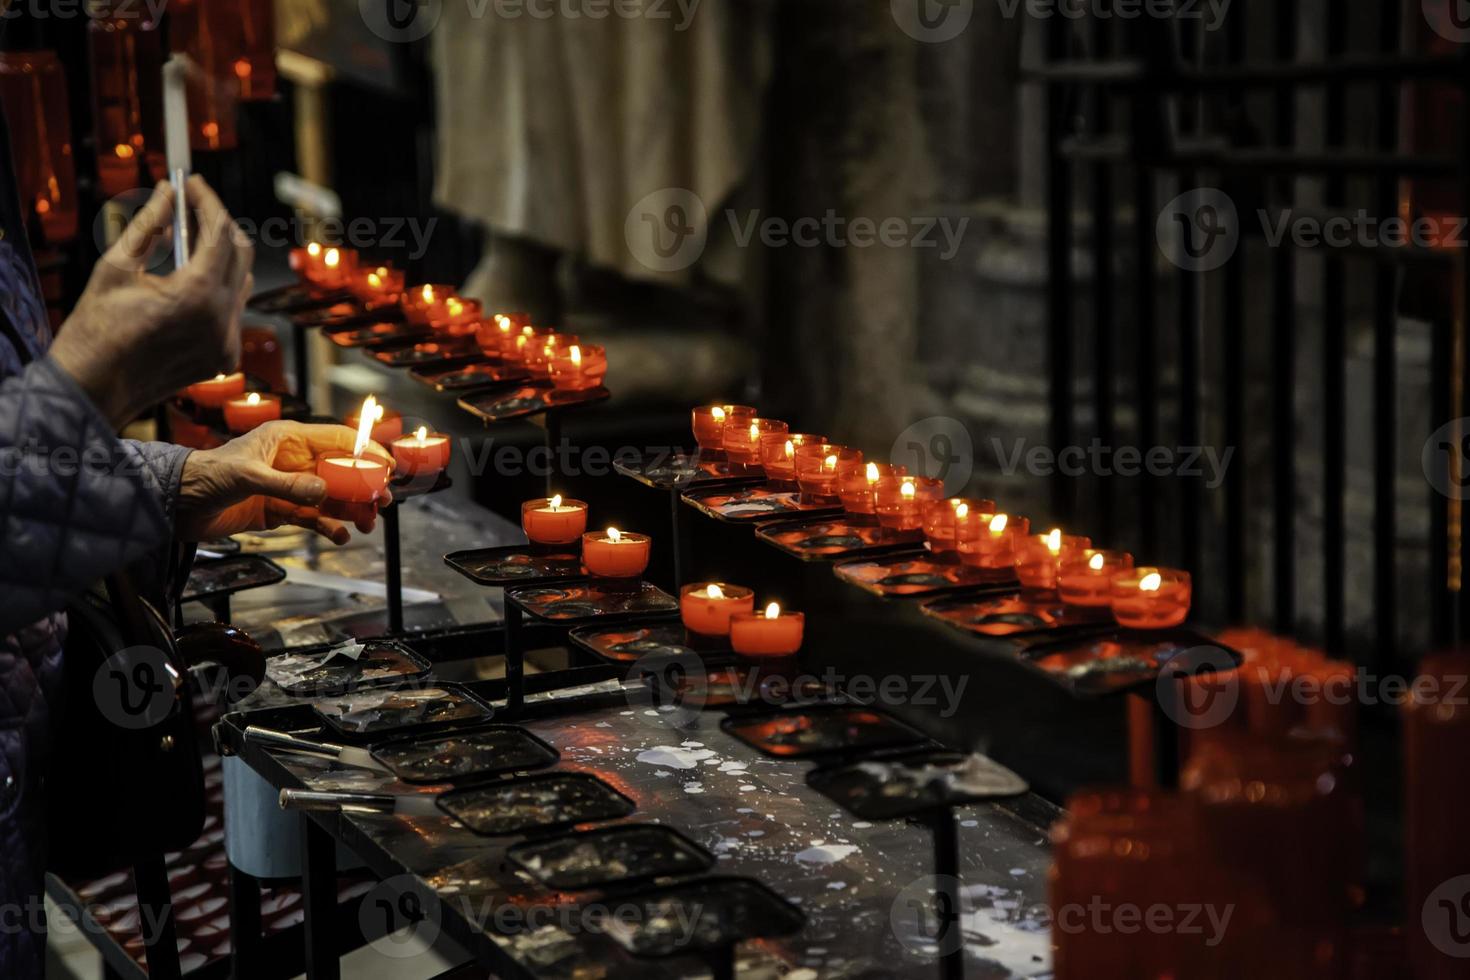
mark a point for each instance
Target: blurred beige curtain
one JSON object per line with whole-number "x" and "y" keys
{"x": 552, "y": 128}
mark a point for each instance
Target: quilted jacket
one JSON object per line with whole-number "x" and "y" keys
{"x": 76, "y": 504}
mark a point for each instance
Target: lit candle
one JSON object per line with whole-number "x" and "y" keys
{"x": 254, "y": 409}
{"x": 742, "y": 441}
{"x": 857, "y": 485}
{"x": 1150, "y": 598}
{"x": 424, "y": 303}
{"x": 354, "y": 479}
{"x": 522, "y": 343}
{"x": 819, "y": 464}
{"x": 459, "y": 317}
{"x": 709, "y": 423}
{"x": 989, "y": 540}
{"x": 772, "y": 633}
{"x": 940, "y": 517}
{"x": 543, "y": 348}
{"x": 552, "y": 520}
{"x": 303, "y": 261}
{"x": 1039, "y": 555}
{"x": 899, "y": 501}
{"x": 217, "y": 390}
{"x": 706, "y": 607}
{"x": 380, "y": 284}
{"x": 778, "y": 453}
{"x": 1084, "y": 578}
{"x": 335, "y": 270}
{"x": 387, "y": 425}
{"x": 496, "y": 332}
{"x": 615, "y": 554}
{"x": 579, "y": 367}
{"x": 422, "y": 453}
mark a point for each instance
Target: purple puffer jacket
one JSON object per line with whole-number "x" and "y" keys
{"x": 76, "y": 504}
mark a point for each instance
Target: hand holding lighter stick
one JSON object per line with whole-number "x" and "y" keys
{"x": 180, "y": 159}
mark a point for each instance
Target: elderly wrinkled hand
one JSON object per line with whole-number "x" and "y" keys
{"x": 266, "y": 479}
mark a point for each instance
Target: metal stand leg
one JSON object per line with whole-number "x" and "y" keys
{"x": 220, "y": 606}
{"x": 1166, "y": 736}
{"x": 319, "y": 899}
{"x": 245, "y": 925}
{"x": 393, "y": 555}
{"x": 947, "y": 881}
{"x": 515, "y": 661}
{"x": 156, "y": 918}
{"x": 722, "y": 964}
{"x": 678, "y": 539}
{"x": 302, "y": 347}
{"x": 553, "y": 443}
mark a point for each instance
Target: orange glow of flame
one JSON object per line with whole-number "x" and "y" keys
{"x": 1054, "y": 540}
{"x": 371, "y": 412}
{"x": 998, "y": 523}
{"x": 1096, "y": 562}
{"x": 253, "y": 398}
{"x": 773, "y": 611}
{"x": 333, "y": 259}
{"x": 576, "y": 353}
{"x": 614, "y": 535}
{"x": 1150, "y": 582}
{"x": 714, "y": 591}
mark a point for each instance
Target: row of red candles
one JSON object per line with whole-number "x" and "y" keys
{"x": 972, "y": 531}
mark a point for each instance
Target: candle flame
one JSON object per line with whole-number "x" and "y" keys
{"x": 908, "y": 490}
{"x": 998, "y": 523}
{"x": 375, "y": 280}
{"x": 428, "y": 294}
{"x": 576, "y": 353}
{"x": 755, "y": 431}
{"x": 1096, "y": 562}
{"x": 1054, "y": 540}
{"x": 382, "y": 270}
{"x": 962, "y": 511}
{"x": 503, "y": 322}
{"x": 872, "y": 472}
{"x": 830, "y": 462}
{"x": 314, "y": 249}
{"x": 334, "y": 258}
{"x": 714, "y": 591}
{"x": 455, "y": 306}
{"x": 422, "y": 434}
{"x": 717, "y": 413}
{"x": 365, "y": 419}
{"x": 614, "y": 535}
{"x": 253, "y": 398}
{"x": 219, "y": 377}
{"x": 1150, "y": 582}
{"x": 773, "y": 611}
{"x": 790, "y": 449}
{"x": 556, "y": 502}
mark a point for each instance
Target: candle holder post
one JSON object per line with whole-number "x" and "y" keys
{"x": 393, "y": 560}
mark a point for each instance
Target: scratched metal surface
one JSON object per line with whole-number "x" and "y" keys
{"x": 760, "y": 819}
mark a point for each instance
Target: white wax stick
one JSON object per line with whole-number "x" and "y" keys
{"x": 180, "y": 160}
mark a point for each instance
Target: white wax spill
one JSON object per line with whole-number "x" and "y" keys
{"x": 825, "y": 853}
{"x": 674, "y": 756}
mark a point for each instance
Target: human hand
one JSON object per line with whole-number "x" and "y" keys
{"x": 133, "y": 338}
{"x": 265, "y": 479}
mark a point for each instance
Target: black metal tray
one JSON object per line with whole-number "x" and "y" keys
{"x": 382, "y": 663}
{"x": 607, "y": 856}
{"x": 907, "y": 785}
{"x": 754, "y": 504}
{"x": 821, "y": 730}
{"x": 632, "y": 642}
{"x": 527, "y": 400}
{"x": 515, "y": 565}
{"x": 918, "y": 574}
{"x": 219, "y": 577}
{"x": 580, "y": 603}
{"x": 448, "y": 757}
{"x": 379, "y": 332}
{"x": 1122, "y": 661}
{"x": 471, "y": 375}
{"x": 724, "y": 911}
{"x": 546, "y": 801}
{"x": 1019, "y": 616}
{"x": 423, "y": 353}
{"x": 447, "y": 705}
{"x": 834, "y": 539}
{"x": 285, "y": 300}
{"x": 675, "y": 469}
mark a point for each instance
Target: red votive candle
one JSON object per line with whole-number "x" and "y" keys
{"x": 422, "y": 304}
{"x": 706, "y": 607}
{"x": 387, "y": 428}
{"x": 1150, "y": 598}
{"x": 989, "y": 540}
{"x": 778, "y": 453}
{"x": 248, "y": 411}
{"x": 497, "y": 332}
{"x": 615, "y": 554}
{"x": 422, "y": 453}
{"x": 742, "y": 441}
{"x": 553, "y": 520}
{"x": 1039, "y": 555}
{"x": 857, "y": 485}
{"x": 818, "y": 465}
{"x": 940, "y": 517}
{"x": 217, "y": 390}
{"x": 710, "y": 420}
{"x": 771, "y": 633}
{"x": 1085, "y": 577}
{"x": 899, "y": 501}
{"x": 542, "y": 349}
{"x": 459, "y": 317}
{"x": 579, "y": 367}
{"x": 380, "y": 284}
{"x": 336, "y": 268}
{"x": 353, "y": 479}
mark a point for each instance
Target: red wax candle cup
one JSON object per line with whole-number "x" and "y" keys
{"x": 1085, "y": 577}
{"x": 303, "y": 261}
{"x": 380, "y": 284}
{"x": 422, "y": 453}
{"x": 553, "y": 520}
{"x": 388, "y": 427}
{"x": 579, "y": 367}
{"x": 940, "y": 517}
{"x": 422, "y": 304}
{"x": 216, "y": 391}
{"x": 522, "y": 344}
{"x": 353, "y": 479}
{"x": 710, "y": 421}
{"x": 336, "y": 268}
{"x": 770, "y": 633}
{"x": 742, "y": 441}
{"x": 497, "y": 332}
{"x": 248, "y": 411}
{"x": 615, "y": 554}
{"x": 818, "y": 465}
{"x": 706, "y": 607}
{"x": 459, "y": 317}
{"x": 1150, "y": 598}
{"x": 857, "y": 485}
{"x": 899, "y": 500}
{"x": 778, "y": 453}
{"x": 989, "y": 540}
{"x": 1039, "y": 555}
{"x": 543, "y": 348}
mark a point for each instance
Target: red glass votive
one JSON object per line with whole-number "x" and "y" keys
{"x": 1039, "y": 555}
{"x": 249, "y": 411}
{"x": 422, "y": 453}
{"x": 899, "y": 501}
{"x": 615, "y": 554}
{"x": 769, "y": 633}
{"x": 1085, "y": 578}
{"x": 217, "y": 390}
{"x": 1147, "y": 598}
{"x": 778, "y": 453}
{"x": 989, "y": 540}
{"x": 496, "y": 331}
{"x": 381, "y": 283}
{"x": 303, "y": 261}
{"x": 940, "y": 517}
{"x": 818, "y": 464}
{"x": 554, "y": 520}
{"x": 352, "y": 479}
{"x": 710, "y": 420}
{"x": 856, "y": 485}
{"x": 388, "y": 427}
{"x": 336, "y": 268}
{"x": 706, "y": 607}
{"x": 579, "y": 367}
{"x": 543, "y": 348}
{"x": 422, "y": 304}
{"x": 742, "y": 441}
{"x": 459, "y": 318}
